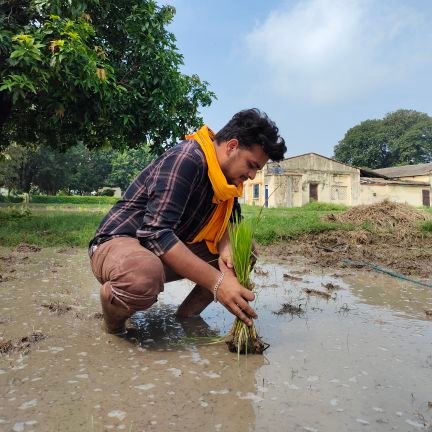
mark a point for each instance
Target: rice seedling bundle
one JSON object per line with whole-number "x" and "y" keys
{"x": 242, "y": 338}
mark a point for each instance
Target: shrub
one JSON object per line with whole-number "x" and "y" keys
{"x": 72, "y": 199}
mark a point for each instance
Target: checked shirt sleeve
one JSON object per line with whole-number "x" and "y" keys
{"x": 170, "y": 187}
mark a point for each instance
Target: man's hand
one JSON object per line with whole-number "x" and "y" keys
{"x": 225, "y": 256}
{"x": 230, "y": 293}
{"x": 235, "y": 297}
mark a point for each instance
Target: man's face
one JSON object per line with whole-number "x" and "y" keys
{"x": 242, "y": 163}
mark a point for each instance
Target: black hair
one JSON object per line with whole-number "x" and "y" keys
{"x": 251, "y": 127}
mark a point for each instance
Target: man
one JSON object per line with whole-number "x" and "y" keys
{"x": 172, "y": 222}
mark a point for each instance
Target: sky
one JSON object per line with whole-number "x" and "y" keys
{"x": 316, "y": 67}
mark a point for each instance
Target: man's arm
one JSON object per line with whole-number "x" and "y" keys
{"x": 231, "y": 294}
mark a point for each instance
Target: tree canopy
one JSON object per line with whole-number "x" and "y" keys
{"x": 93, "y": 72}
{"x": 78, "y": 169}
{"x": 403, "y": 137}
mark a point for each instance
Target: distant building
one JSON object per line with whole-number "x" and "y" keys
{"x": 421, "y": 173}
{"x": 299, "y": 180}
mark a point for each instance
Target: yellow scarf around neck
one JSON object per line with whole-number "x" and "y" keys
{"x": 224, "y": 193}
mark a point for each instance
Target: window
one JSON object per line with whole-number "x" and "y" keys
{"x": 256, "y": 191}
{"x": 339, "y": 193}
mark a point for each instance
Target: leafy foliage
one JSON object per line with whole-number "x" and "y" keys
{"x": 95, "y": 73}
{"x": 402, "y": 137}
{"x": 78, "y": 169}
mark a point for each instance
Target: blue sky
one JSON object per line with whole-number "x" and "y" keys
{"x": 317, "y": 67}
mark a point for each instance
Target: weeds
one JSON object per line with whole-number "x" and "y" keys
{"x": 426, "y": 226}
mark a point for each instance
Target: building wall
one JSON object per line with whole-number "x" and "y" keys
{"x": 370, "y": 193}
{"x": 336, "y": 182}
{"x": 248, "y": 190}
{"x": 423, "y": 178}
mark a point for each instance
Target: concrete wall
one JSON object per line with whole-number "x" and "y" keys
{"x": 423, "y": 178}
{"x": 248, "y": 190}
{"x": 370, "y": 193}
{"x": 336, "y": 182}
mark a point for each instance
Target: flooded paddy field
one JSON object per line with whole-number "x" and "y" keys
{"x": 348, "y": 351}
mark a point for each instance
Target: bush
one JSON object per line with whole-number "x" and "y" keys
{"x": 107, "y": 192}
{"x": 11, "y": 199}
{"x": 72, "y": 199}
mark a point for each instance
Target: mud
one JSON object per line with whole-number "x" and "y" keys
{"x": 361, "y": 360}
{"x": 410, "y": 255}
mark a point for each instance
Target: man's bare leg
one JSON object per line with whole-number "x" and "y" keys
{"x": 197, "y": 300}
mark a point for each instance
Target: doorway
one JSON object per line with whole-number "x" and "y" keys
{"x": 426, "y": 197}
{"x": 313, "y": 192}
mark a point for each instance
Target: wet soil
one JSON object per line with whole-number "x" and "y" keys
{"x": 359, "y": 360}
{"x": 411, "y": 255}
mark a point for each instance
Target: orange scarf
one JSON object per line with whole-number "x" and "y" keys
{"x": 224, "y": 193}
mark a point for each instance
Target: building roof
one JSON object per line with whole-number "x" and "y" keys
{"x": 367, "y": 172}
{"x": 382, "y": 181}
{"x": 321, "y": 156}
{"x": 406, "y": 170}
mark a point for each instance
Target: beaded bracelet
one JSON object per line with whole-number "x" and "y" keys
{"x": 217, "y": 285}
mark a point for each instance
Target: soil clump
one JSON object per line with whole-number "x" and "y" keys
{"x": 22, "y": 344}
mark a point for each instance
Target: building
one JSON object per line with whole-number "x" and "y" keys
{"x": 299, "y": 180}
{"x": 420, "y": 173}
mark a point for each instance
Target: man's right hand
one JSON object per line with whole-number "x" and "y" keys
{"x": 230, "y": 293}
{"x": 236, "y": 297}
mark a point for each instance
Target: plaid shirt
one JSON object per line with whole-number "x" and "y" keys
{"x": 170, "y": 200}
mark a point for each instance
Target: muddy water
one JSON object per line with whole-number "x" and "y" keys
{"x": 359, "y": 360}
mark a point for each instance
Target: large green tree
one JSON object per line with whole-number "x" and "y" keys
{"x": 93, "y": 72}
{"x": 402, "y": 137}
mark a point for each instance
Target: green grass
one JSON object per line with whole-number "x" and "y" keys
{"x": 426, "y": 226}
{"x": 278, "y": 224}
{"x": 49, "y": 227}
{"x": 74, "y": 225}
{"x": 62, "y": 199}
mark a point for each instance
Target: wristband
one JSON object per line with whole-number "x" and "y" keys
{"x": 217, "y": 285}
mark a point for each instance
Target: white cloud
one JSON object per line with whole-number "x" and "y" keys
{"x": 333, "y": 50}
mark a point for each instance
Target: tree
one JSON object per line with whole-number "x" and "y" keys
{"x": 126, "y": 165}
{"x": 402, "y": 137}
{"x": 95, "y": 73}
{"x": 17, "y": 168}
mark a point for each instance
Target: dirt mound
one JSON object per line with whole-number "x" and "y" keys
{"x": 385, "y": 234}
{"x": 382, "y": 217}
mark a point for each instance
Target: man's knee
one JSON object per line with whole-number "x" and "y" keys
{"x": 140, "y": 274}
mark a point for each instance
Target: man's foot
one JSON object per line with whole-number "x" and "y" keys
{"x": 115, "y": 314}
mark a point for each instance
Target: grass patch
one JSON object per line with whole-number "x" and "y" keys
{"x": 62, "y": 199}
{"x": 60, "y": 224}
{"x": 426, "y": 226}
{"x": 273, "y": 228}
{"x": 49, "y": 228}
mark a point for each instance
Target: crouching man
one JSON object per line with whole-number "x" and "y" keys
{"x": 172, "y": 222}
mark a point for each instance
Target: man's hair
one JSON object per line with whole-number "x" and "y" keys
{"x": 252, "y": 127}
